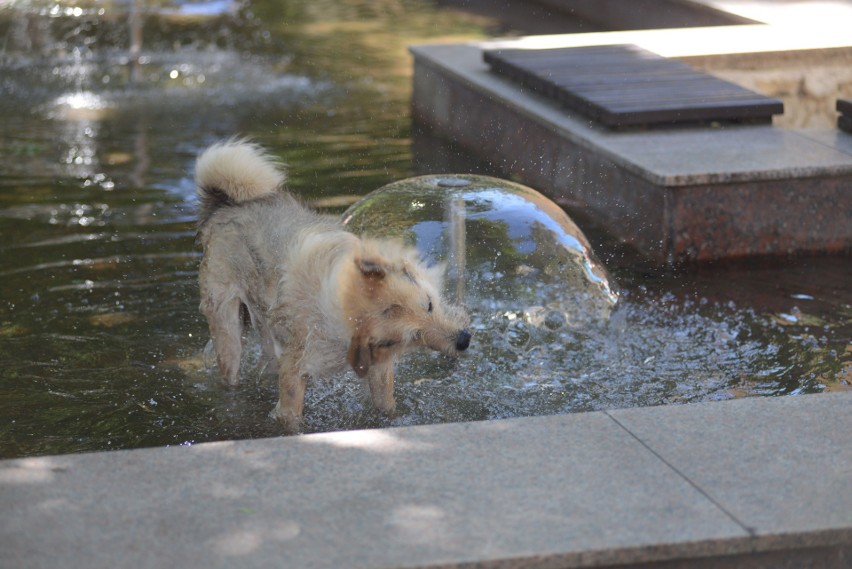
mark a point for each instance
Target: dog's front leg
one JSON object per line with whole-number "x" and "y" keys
{"x": 291, "y": 391}
{"x": 380, "y": 382}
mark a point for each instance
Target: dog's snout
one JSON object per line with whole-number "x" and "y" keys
{"x": 462, "y": 340}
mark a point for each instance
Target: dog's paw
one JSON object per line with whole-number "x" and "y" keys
{"x": 290, "y": 421}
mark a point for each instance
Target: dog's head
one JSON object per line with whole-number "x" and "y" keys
{"x": 396, "y": 305}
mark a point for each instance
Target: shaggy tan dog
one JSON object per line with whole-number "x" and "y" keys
{"x": 319, "y": 296}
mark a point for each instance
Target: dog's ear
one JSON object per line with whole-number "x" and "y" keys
{"x": 360, "y": 356}
{"x": 373, "y": 268}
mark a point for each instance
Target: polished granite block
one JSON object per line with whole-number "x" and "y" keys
{"x": 677, "y": 195}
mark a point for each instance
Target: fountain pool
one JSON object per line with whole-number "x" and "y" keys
{"x": 101, "y": 342}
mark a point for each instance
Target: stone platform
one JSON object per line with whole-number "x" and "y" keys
{"x": 676, "y": 194}
{"x": 747, "y": 483}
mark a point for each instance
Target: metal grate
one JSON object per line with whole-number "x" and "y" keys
{"x": 624, "y": 85}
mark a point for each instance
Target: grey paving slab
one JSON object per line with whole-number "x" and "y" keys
{"x": 779, "y": 466}
{"x": 555, "y": 491}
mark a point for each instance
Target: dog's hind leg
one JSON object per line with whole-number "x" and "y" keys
{"x": 226, "y": 328}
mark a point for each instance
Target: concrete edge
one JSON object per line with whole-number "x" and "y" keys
{"x": 88, "y": 507}
{"x": 795, "y": 548}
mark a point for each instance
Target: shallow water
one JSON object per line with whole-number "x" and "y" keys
{"x": 101, "y": 342}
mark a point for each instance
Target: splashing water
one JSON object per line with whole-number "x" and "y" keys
{"x": 139, "y": 56}
{"x": 653, "y": 349}
{"x": 550, "y": 334}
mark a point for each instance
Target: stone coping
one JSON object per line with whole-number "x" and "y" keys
{"x": 754, "y": 482}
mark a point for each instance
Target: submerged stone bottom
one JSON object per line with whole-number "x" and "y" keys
{"x": 753, "y": 482}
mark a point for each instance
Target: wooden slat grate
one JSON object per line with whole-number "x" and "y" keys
{"x": 624, "y": 85}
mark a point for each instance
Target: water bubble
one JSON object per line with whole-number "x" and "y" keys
{"x": 518, "y": 335}
{"x": 503, "y": 243}
{"x": 554, "y": 320}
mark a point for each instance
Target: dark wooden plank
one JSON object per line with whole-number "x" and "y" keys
{"x": 726, "y": 109}
{"x": 624, "y": 85}
{"x": 697, "y": 88}
{"x": 570, "y": 80}
{"x": 659, "y": 98}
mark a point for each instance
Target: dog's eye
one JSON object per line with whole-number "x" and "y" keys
{"x": 429, "y": 308}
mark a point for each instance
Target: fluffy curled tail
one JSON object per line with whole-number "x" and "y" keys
{"x": 233, "y": 172}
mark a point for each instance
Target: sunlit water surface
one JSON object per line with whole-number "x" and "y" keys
{"x": 101, "y": 342}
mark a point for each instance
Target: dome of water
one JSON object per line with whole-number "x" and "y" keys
{"x": 509, "y": 250}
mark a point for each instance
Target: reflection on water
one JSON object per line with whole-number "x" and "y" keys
{"x": 101, "y": 342}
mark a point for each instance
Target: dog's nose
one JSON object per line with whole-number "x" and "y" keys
{"x": 462, "y": 340}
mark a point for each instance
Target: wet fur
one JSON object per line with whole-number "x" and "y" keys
{"x": 320, "y": 297}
